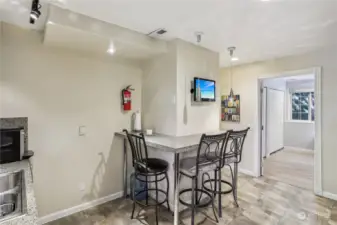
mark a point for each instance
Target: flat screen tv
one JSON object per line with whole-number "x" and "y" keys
{"x": 204, "y": 90}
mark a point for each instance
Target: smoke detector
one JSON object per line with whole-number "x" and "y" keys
{"x": 157, "y": 33}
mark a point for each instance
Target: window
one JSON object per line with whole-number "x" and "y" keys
{"x": 303, "y": 106}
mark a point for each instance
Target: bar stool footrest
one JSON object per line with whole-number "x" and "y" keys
{"x": 197, "y": 205}
{"x": 150, "y": 205}
{"x": 216, "y": 191}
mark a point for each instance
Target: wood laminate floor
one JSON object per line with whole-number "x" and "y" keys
{"x": 262, "y": 201}
{"x": 291, "y": 166}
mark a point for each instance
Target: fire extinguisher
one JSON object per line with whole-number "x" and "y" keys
{"x": 126, "y": 98}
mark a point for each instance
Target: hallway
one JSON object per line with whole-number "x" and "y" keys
{"x": 292, "y": 166}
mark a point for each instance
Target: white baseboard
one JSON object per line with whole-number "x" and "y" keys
{"x": 247, "y": 172}
{"x": 270, "y": 153}
{"x": 330, "y": 195}
{"x": 298, "y": 148}
{"x": 78, "y": 208}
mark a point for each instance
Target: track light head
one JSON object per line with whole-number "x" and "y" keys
{"x": 35, "y": 11}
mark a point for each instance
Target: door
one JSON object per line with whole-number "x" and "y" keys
{"x": 274, "y": 120}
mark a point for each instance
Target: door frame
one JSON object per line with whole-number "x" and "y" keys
{"x": 317, "y": 71}
{"x": 265, "y": 118}
{"x": 263, "y": 125}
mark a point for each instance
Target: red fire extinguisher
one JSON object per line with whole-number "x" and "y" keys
{"x": 126, "y": 98}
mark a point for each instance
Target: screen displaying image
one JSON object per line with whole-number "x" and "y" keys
{"x": 204, "y": 90}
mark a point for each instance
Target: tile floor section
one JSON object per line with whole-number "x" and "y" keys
{"x": 262, "y": 202}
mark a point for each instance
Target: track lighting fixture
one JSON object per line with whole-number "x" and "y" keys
{"x": 35, "y": 11}
{"x": 231, "y": 54}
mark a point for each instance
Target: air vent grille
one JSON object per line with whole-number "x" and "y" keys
{"x": 157, "y": 32}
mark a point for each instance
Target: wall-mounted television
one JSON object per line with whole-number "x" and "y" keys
{"x": 204, "y": 90}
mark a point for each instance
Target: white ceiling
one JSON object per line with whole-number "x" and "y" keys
{"x": 259, "y": 29}
{"x": 84, "y": 34}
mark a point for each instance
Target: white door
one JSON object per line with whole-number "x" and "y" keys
{"x": 275, "y": 120}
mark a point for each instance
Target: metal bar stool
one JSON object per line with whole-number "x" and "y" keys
{"x": 232, "y": 155}
{"x": 148, "y": 170}
{"x": 210, "y": 149}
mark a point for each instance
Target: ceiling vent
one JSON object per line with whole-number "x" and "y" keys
{"x": 157, "y": 33}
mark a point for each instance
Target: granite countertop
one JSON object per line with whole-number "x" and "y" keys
{"x": 30, "y": 217}
{"x": 173, "y": 143}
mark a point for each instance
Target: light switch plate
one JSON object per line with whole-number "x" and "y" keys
{"x": 82, "y": 130}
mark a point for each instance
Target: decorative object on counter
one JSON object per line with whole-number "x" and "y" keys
{"x": 126, "y": 98}
{"x": 230, "y": 108}
{"x": 136, "y": 121}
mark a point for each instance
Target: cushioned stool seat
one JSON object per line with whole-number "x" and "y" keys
{"x": 188, "y": 165}
{"x": 153, "y": 165}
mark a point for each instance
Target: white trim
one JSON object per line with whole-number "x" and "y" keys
{"x": 247, "y": 172}
{"x": 292, "y": 91}
{"x": 299, "y": 121}
{"x": 318, "y": 186}
{"x": 330, "y": 195}
{"x": 297, "y": 148}
{"x": 317, "y": 71}
{"x": 290, "y": 103}
{"x": 78, "y": 208}
{"x": 264, "y": 121}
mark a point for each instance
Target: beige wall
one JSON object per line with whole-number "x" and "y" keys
{"x": 159, "y": 92}
{"x": 195, "y": 61}
{"x": 58, "y": 91}
{"x": 245, "y": 83}
{"x": 299, "y": 134}
{"x": 166, "y": 89}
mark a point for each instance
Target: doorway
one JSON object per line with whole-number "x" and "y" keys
{"x": 289, "y": 109}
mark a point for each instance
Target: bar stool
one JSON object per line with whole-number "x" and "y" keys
{"x": 208, "y": 158}
{"x": 148, "y": 170}
{"x": 232, "y": 155}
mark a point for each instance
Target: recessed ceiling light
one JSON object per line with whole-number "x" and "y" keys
{"x": 111, "y": 51}
{"x": 264, "y": 0}
{"x": 234, "y": 58}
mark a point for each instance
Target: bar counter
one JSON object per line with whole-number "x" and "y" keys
{"x": 171, "y": 149}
